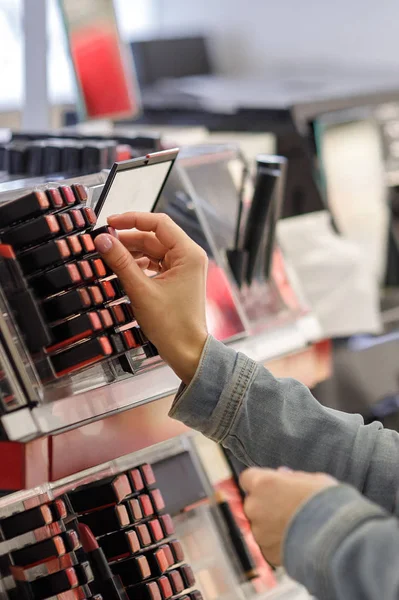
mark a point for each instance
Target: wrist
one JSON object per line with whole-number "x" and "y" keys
{"x": 188, "y": 356}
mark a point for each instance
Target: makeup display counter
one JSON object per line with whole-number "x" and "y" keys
{"x": 285, "y": 103}
{"x": 339, "y": 131}
{"x": 85, "y": 435}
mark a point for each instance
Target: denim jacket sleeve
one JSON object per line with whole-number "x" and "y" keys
{"x": 270, "y": 422}
{"x": 340, "y": 546}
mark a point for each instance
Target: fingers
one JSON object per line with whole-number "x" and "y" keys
{"x": 143, "y": 263}
{"x": 139, "y": 241}
{"x": 251, "y": 477}
{"x": 167, "y": 232}
{"x": 285, "y": 470}
{"x": 122, "y": 263}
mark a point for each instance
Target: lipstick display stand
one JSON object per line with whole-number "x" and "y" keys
{"x": 108, "y": 418}
{"x": 238, "y": 212}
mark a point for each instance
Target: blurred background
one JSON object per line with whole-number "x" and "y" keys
{"x": 285, "y": 35}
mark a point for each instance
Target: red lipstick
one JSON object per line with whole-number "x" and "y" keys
{"x": 108, "y": 585}
{"x": 75, "y": 245}
{"x": 87, "y": 243}
{"x": 67, "y": 195}
{"x": 80, "y": 192}
{"x": 55, "y": 198}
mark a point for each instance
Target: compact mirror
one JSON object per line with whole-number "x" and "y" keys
{"x": 134, "y": 185}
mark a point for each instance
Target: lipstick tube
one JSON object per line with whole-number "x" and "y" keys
{"x": 136, "y": 480}
{"x": 36, "y": 553}
{"x": 67, "y": 304}
{"x": 82, "y": 354}
{"x": 71, "y": 158}
{"x": 145, "y": 591}
{"x": 187, "y": 575}
{"x": 34, "y": 166}
{"x": 106, "y": 318}
{"x": 54, "y": 584}
{"x": 176, "y": 581}
{"x": 134, "y": 509}
{"x": 44, "y": 256}
{"x": 80, "y": 192}
{"x": 106, "y": 520}
{"x": 26, "y": 310}
{"x": 195, "y": 595}
{"x": 157, "y": 561}
{"x": 105, "y": 581}
{"x": 165, "y": 587}
{"x": 89, "y": 216}
{"x": 167, "y": 525}
{"x": 177, "y": 551}
{"x": 96, "y": 295}
{"x": 78, "y": 218}
{"x": 57, "y": 280}
{"x": 156, "y": 531}
{"x": 104, "y": 229}
{"x": 111, "y": 490}
{"x": 33, "y": 232}
{"x": 75, "y": 244}
{"x": 143, "y": 534}
{"x": 148, "y": 475}
{"x": 85, "y": 269}
{"x": 23, "y": 208}
{"x": 33, "y": 537}
{"x": 236, "y": 537}
{"x": 132, "y": 570}
{"x": 100, "y": 268}
{"x": 26, "y": 521}
{"x": 74, "y": 329}
{"x": 65, "y": 222}
{"x": 157, "y": 500}
{"x": 129, "y": 340}
{"x": 87, "y": 243}
{"x": 55, "y": 198}
{"x": 119, "y": 314}
{"x": 146, "y": 505}
{"x": 36, "y": 570}
{"x": 120, "y": 544}
{"x": 51, "y": 159}
{"x": 67, "y": 195}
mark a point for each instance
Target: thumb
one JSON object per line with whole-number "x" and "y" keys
{"x": 250, "y": 477}
{"x": 122, "y": 263}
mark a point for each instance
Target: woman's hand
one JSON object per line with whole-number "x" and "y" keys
{"x": 273, "y": 498}
{"x": 170, "y": 308}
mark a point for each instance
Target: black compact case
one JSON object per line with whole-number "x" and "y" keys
{"x": 135, "y": 185}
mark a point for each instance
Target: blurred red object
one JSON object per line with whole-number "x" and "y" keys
{"x": 106, "y": 87}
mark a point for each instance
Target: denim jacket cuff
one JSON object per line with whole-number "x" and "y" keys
{"x": 316, "y": 532}
{"x": 211, "y": 402}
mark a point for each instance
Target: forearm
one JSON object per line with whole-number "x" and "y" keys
{"x": 272, "y": 422}
{"x": 341, "y": 546}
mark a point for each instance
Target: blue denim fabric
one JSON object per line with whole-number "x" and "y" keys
{"x": 340, "y": 544}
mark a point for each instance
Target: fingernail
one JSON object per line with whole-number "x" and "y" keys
{"x": 103, "y": 243}
{"x": 112, "y": 232}
{"x": 286, "y": 469}
{"x": 112, "y": 217}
